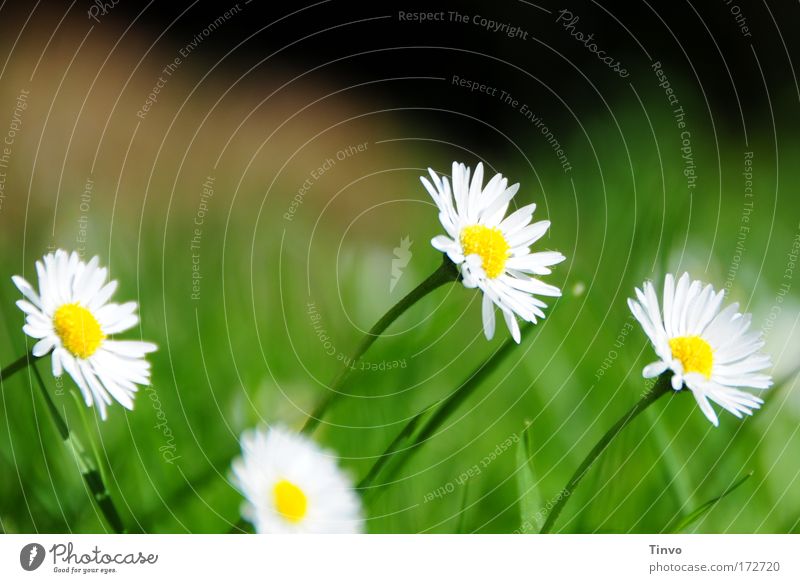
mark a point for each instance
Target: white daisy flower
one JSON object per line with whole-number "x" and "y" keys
{"x": 71, "y": 316}
{"x": 709, "y": 350}
{"x": 291, "y": 485}
{"x": 492, "y": 250}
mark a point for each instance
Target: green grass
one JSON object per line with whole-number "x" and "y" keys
{"x": 246, "y": 352}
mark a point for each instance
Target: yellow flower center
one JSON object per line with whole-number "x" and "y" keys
{"x": 78, "y": 329}
{"x": 290, "y": 501}
{"x": 694, "y": 353}
{"x": 489, "y": 243}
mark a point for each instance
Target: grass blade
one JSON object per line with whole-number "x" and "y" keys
{"x": 530, "y": 497}
{"x": 440, "y": 413}
{"x": 462, "y": 516}
{"x": 699, "y": 512}
{"x": 89, "y": 472}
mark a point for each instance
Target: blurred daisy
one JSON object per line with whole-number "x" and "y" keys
{"x": 709, "y": 350}
{"x": 71, "y": 316}
{"x": 291, "y": 485}
{"x": 492, "y": 250}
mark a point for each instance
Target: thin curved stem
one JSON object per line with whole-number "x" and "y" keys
{"x": 440, "y": 415}
{"x": 89, "y": 470}
{"x": 392, "y": 448}
{"x": 16, "y": 366}
{"x": 661, "y": 387}
{"x": 447, "y": 272}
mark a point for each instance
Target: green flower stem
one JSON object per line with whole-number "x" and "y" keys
{"x": 16, "y": 366}
{"x": 392, "y": 449}
{"x": 87, "y": 466}
{"x": 661, "y": 387}
{"x": 447, "y": 272}
{"x": 441, "y": 413}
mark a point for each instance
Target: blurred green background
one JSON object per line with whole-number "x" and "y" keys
{"x": 240, "y": 348}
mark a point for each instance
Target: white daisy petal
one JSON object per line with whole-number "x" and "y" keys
{"x": 654, "y": 369}
{"x": 496, "y": 201}
{"x": 718, "y": 331}
{"x": 738, "y": 352}
{"x": 681, "y": 290}
{"x": 431, "y": 190}
{"x": 547, "y": 258}
{"x": 711, "y": 310}
{"x": 460, "y": 177}
{"x": 71, "y": 366}
{"x": 90, "y": 286}
{"x": 28, "y": 307}
{"x": 698, "y": 308}
{"x": 27, "y": 291}
{"x": 111, "y": 314}
{"x": 643, "y": 318}
{"x": 102, "y": 296}
{"x": 129, "y": 348}
{"x": 122, "y": 325}
{"x": 532, "y": 285}
{"x": 35, "y": 331}
{"x": 494, "y": 212}
{"x": 529, "y": 235}
{"x": 706, "y": 408}
{"x": 100, "y": 392}
{"x": 692, "y": 294}
{"x": 474, "y": 194}
{"x": 488, "y": 316}
{"x": 651, "y": 303}
{"x": 518, "y": 219}
{"x": 44, "y": 346}
{"x": 58, "y": 367}
{"x": 443, "y": 243}
{"x": 669, "y": 300}
{"x": 107, "y": 381}
{"x": 491, "y": 192}
{"x": 35, "y": 318}
{"x": 513, "y": 326}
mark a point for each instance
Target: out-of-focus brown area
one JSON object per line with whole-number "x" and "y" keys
{"x": 103, "y": 117}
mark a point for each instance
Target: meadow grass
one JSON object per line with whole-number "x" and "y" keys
{"x": 247, "y": 352}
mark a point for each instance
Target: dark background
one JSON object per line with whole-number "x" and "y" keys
{"x": 698, "y": 43}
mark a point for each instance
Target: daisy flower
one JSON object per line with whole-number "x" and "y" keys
{"x": 709, "y": 350}
{"x": 291, "y": 485}
{"x": 71, "y": 317}
{"x": 492, "y": 249}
